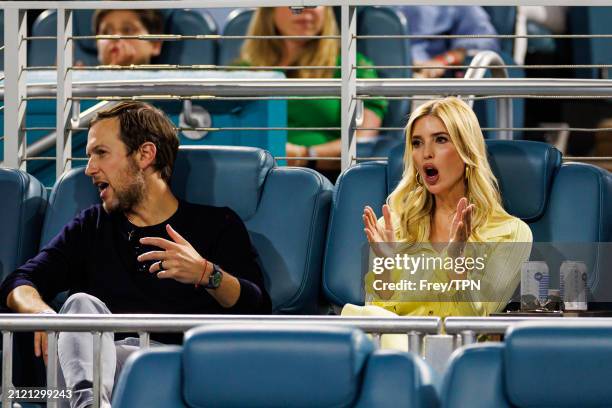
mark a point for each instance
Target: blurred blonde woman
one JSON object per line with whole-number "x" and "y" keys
{"x": 314, "y": 53}
{"x": 448, "y": 198}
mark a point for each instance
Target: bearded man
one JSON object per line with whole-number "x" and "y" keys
{"x": 141, "y": 250}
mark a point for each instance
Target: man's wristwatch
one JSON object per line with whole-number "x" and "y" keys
{"x": 215, "y": 278}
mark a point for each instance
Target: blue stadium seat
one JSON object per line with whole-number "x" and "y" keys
{"x": 179, "y": 21}
{"x": 535, "y": 187}
{"x": 285, "y": 211}
{"x": 590, "y": 20}
{"x": 1, "y": 40}
{"x": 560, "y": 365}
{"x": 381, "y": 20}
{"x": 274, "y": 366}
{"x": 237, "y": 23}
{"x": 541, "y": 45}
{"x": 21, "y": 212}
{"x": 503, "y": 19}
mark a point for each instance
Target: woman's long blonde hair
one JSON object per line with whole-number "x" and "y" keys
{"x": 413, "y": 204}
{"x": 269, "y": 52}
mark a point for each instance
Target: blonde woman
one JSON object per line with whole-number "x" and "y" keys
{"x": 316, "y": 21}
{"x": 447, "y": 200}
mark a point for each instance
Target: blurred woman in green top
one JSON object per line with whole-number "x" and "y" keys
{"x": 304, "y": 52}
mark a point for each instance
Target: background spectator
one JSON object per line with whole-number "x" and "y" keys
{"x": 447, "y": 20}
{"x": 128, "y": 22}
{"x": 305, "y": 52}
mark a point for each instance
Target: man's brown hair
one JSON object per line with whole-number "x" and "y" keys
{"x": 153, "y": 20}
{"x": 140, "y": 123}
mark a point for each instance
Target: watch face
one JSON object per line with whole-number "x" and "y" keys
{"x": 215, "y": 278}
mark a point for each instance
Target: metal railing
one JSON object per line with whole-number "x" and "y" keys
{"x": 414, "y": 327}
{"x": 348, "y": 88}
{"x": 468, "y": 328}
{"x": 262, "y": 89}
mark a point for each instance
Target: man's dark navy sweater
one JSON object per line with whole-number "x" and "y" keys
{"x": 93, "y": 254}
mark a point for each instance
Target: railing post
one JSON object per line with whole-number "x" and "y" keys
{"x": 7, "y": 367}
{"x": 15, "y": 87}
{"x": 52, "y": 366}
{"x": 457, "y": 341}
{"x": 468, "y": 337}
{"x": 145, "y": 340}
{"x": 97, "y": 369}
{"x": 415, "y": 342}
{"x": 63, "y": 115}
{"x": 349, "y": 88}
{"x": 504, "y": 118}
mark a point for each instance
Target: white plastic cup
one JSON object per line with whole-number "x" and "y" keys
{"x": 535, "y": 279}
{"x": 573, "y": 282}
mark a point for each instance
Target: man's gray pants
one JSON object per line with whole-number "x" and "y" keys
{"x": 75, "y": 352}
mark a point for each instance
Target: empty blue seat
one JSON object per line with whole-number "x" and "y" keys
{"x": 22, "y": 211}
{"x": 503, "y": 19}
{"x": 179, "y": 21}
{"x": 237, "y": 23}
{"x": 535, "y": 187}
{"x": 274, "y": 366}
{"x": 552, "y": 365}
{"x": 594, "y": 21}
{"x": 382, "y": 20}
{"x": 1, "y": 40}
{"x": 285, "y": 211}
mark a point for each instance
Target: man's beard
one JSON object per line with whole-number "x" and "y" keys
{"x": 131, "y": 194}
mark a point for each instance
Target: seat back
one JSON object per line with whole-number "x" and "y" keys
{"x": 593, "y": 21}
{"x": 189, "y": 52}
{"x": 525, "y": 172}
{"x": 237, "y": 23}
{"x": 382, "y": 20}
{"x": 284, "y": 209}
{"x": 43, "y": 52}
{"x": 21, "y": 215}
{"x": 534, "y": 185}
{"x": 277, "y": 366}
{"x": 474, "y": 378}
{"x": 573, "y": 363}
{"x": 540, "y": 365}
{"x": 1, "y": 39}
{"x": 503, "y": 19}
{"x": 560, "y": 193}
{"x": 219, "y": 15}
{"x": 179, "y": 21}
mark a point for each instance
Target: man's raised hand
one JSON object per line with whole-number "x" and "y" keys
{"x": 180, "y": 261}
